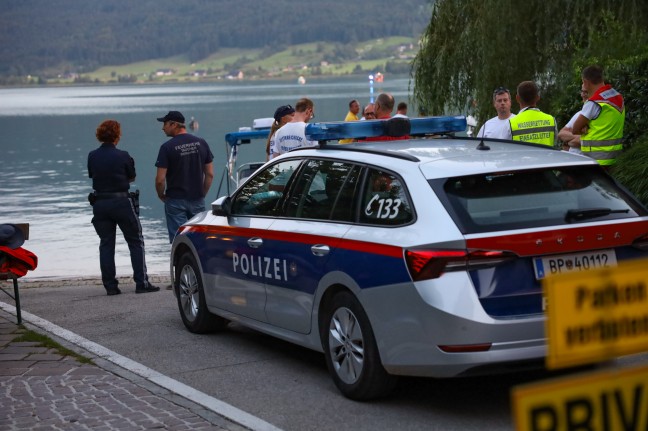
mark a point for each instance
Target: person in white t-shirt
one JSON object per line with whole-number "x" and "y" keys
{"x": 570, "y": 141}
{"x": 293, "y": 134}
{"x": 401, "y": 110}
{"x": 499, "y": 127}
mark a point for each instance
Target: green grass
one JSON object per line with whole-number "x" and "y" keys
{"x": 34, "y": 337}
{"x": 291, "y": 62}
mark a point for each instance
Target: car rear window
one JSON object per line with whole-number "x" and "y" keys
{"x": 534, "y": 198}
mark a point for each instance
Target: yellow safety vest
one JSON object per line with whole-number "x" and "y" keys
{"x": 602, "y": 142}
{"x": 533, "y": 125}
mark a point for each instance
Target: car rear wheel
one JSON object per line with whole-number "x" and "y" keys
{"x": 351, "y": 352}
{"x": 191, "y": 298}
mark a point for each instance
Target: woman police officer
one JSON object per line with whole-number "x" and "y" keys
{"x": 112, "y": 171}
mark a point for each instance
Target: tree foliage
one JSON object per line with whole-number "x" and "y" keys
{"x": 470, "y": 48}
{"x": 38, "y": 35}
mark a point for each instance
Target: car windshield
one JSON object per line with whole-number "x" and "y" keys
{"x": 534, "y": 198}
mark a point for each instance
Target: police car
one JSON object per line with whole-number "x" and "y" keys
{"x": 414, "y": 257}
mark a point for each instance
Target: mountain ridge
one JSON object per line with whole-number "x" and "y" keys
{"x": 49, "y": 37}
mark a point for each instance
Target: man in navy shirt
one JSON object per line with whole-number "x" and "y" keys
{"x": 185, "y": 172}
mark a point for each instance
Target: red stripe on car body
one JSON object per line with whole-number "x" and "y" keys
{"x": 563, "y": 240}
{"x": 348, "y": 244}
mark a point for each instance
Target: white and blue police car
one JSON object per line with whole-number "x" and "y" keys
{"x": 414, "y": 257}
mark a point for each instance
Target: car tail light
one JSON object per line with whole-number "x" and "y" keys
{"x": 428, "y": 264}
{"x": 641, "y": 242}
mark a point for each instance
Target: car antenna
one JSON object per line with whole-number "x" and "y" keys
{"x": 482, "y": 146}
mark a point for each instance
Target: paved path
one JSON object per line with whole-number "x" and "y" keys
{"x": 42, "y": 389}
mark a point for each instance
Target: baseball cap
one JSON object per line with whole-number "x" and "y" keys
{"x": 173, "y": 116}
{"x": 283, "y": 111}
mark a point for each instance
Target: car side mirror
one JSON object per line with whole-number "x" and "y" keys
{"x": 222, "y": 206}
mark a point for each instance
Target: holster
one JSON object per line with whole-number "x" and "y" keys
{"x": 134, "y": 197}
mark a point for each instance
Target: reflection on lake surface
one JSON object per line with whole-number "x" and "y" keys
{"x": 48, "y": 133}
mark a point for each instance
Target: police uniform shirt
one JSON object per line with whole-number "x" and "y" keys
{"x": 184, "y": 156}
{"x": 111, "y": 169}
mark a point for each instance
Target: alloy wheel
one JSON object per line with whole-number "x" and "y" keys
{"x": 346, "y": 345}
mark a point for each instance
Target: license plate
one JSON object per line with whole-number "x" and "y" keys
{"x": 564, "y": 263}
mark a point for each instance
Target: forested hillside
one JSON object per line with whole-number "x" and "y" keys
{"x": 51, "y": 36}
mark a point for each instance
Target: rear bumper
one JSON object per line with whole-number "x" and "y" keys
{"x": 411, "y": 321}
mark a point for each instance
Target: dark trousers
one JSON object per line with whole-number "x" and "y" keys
{"x": 108, "y": 214}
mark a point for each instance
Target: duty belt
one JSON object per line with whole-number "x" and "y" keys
{"x": 109, "y": 195}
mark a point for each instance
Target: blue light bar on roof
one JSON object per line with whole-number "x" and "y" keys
{"x": 237, "y": 138}
{"x": 364, "y": 129}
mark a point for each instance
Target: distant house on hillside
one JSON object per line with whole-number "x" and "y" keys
{"x": 69, "y": 75}
{"x": 164, "y": 72}
{"x": 235, "y": 74}
{"x": 198, "y": 73}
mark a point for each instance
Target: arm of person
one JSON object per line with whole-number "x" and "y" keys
{"x": 589, "y": 112}
{"x": 580, "y": 125}
{"x": 160, "y": 183}
{"x": 130, "y": 170}
{"x": 565, "y": 136}
{"x": 575, "y": 143}
{"x": 208, "y": 177}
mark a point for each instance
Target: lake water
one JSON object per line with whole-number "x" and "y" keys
{"x": 48, "y": 132}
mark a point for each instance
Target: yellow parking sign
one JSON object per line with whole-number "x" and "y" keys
{"x": 602, "y": 401}
{"x": 597, "y": 315}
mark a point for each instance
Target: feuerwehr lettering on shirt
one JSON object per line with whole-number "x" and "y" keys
{"x": 188, "y": 149}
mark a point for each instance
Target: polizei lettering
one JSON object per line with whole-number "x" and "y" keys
{"x": 260, "y": 266}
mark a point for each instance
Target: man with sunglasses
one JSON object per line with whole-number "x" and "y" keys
{"x": 499, "y": 127}
{"x": 368, "y": 113}
{"x": 185, "y": 172}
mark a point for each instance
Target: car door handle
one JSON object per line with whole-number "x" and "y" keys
{"x": 255, "y": 242}
{"x": 320, "y": 249}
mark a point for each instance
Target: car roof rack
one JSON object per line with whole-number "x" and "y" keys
{"x": 393, "y": 127}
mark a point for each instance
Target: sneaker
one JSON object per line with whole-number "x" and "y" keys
{"x": 112, "y": 292}
{"x": 147, "y": 289}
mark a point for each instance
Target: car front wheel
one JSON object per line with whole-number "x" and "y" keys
{"x": 191, "y": 298}
{"x": 351, "y": 352}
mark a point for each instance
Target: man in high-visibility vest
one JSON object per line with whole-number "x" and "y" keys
{"x": 601, "y": 121}
{"x": 531, "y": 124}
